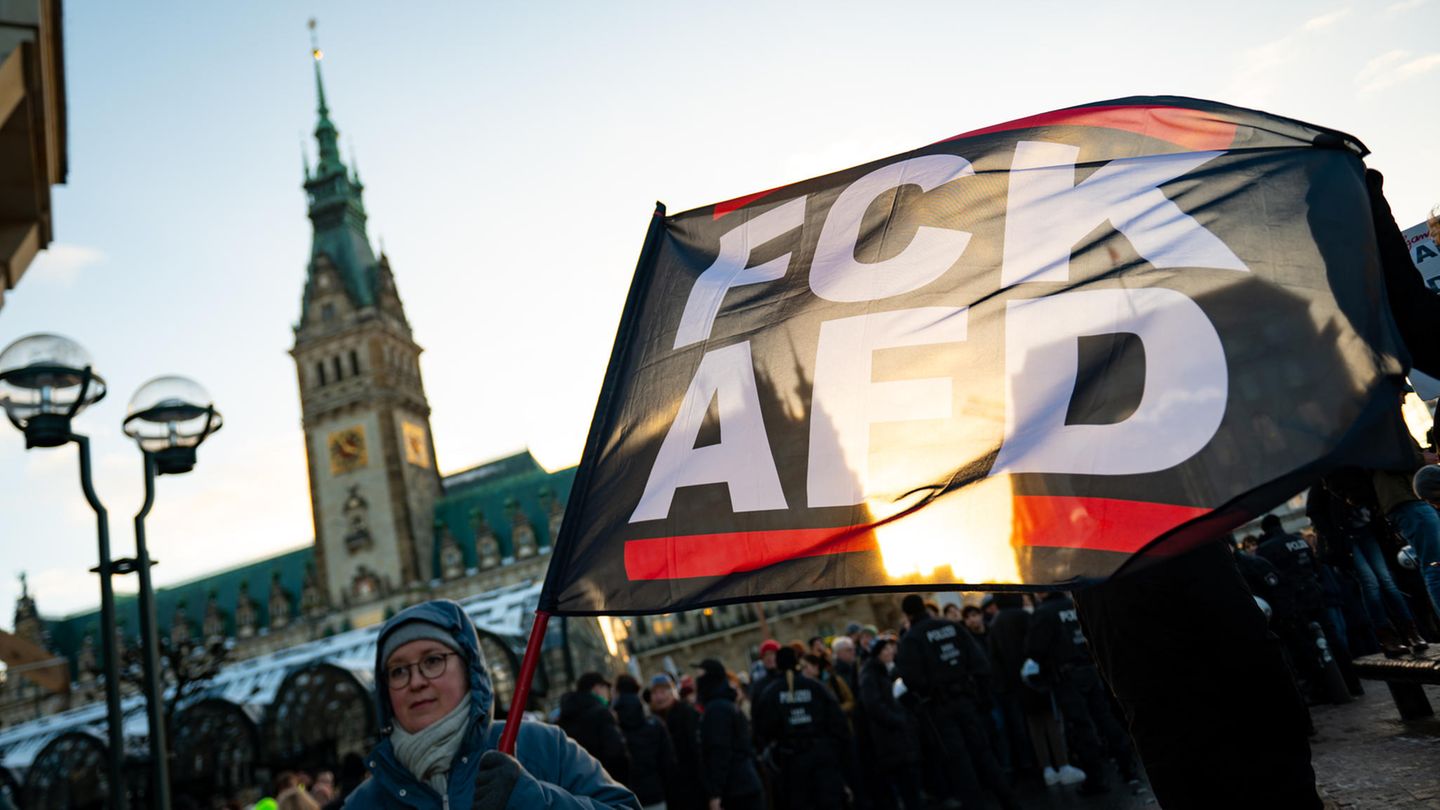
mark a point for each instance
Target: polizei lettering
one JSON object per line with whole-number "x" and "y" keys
{"x": 1050, "y": 208}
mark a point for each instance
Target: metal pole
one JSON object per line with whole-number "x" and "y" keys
{"x": 116, "y": 736}
{"x": 149, "y": 650}
{"x": 522, "y": 684}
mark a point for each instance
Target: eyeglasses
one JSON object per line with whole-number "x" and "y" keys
{"x": 431, "y": 667}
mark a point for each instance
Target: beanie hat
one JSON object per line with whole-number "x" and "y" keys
{"x": 769, "y": 645}
{"x": 415, "y": 630}
{"x": 913, "y": 605}
{"x": 1427, "y": 482}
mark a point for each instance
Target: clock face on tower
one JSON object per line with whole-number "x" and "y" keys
{"x": 417, "y": 449}
{"x": 347, "y": 450}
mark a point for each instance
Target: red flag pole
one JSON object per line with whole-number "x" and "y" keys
{"x": 522, "y": 684}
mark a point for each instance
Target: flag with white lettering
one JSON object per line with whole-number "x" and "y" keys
{"x": 1029, "y": 355}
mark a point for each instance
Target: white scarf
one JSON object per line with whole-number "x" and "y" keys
{"x": 428, "y": 752}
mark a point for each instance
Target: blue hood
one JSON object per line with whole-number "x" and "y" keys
{"x": 449, "y": 616}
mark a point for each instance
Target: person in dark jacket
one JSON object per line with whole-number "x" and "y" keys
{"x": 804, "y": 731}
{"x": 1301, "y": 588}
{"x": 434, "y": 703}
{"x": 944, "y": 667}
{"x": 586, "y": 716}
{"x": 682, "y": 721}
{"x": 892, "y": 729}
{"x": 1057, "y": 644}
{"x": 652, "y": 757}
{"x": 727, "y": 757}
{"x": 1015, "y": 701}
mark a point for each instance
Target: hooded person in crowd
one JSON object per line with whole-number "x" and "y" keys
{"x": 586, "y": 716}
{"x": 727, "y": 768}
{"x": 439, "y": 748}
{"x": 652, "y": 757}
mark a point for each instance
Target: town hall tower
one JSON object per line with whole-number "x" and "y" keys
{"x": 373, "y": 477}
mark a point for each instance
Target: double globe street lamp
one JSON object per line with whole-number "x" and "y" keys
{"x": 45, "y": 381}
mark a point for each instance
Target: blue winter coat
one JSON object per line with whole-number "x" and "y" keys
{"x": 558, "y": 773}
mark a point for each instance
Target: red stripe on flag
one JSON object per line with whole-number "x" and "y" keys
{"x": 721, "y": 209}
{"x": 715, "y": 555}
{"x": 1098, "y": 524}
{"x": 1193, "y": 129}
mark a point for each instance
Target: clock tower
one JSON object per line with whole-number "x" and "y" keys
{"x": 373, "y": 478}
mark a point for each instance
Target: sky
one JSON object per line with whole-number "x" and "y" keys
{"x": 512, "y": 156}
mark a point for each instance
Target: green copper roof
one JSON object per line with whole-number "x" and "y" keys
{"x": 67, "y": 634}
{"x": 337, "y": 213}
{"x": 496, "y": 499}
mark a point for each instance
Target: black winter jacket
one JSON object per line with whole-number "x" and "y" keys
{"x": 727, "y": 766}
{"x": 683, "y": 790}
{"x": 892, "y": 727}
{"x": 652, "y": 757}
{"x": 589, "y": 722}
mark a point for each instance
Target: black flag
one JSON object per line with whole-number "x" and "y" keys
{"x": 1027, "y": 355}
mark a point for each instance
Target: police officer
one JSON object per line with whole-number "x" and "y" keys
{"x": 804, "y": 734}
{"x": 1300, "y": 599}
{"x": 1057, "y": 644}
{"x": 947, "y": 673}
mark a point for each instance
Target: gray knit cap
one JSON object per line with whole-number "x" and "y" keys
{"x": 1427, "y": 482}
{"x": 414, "y": 630}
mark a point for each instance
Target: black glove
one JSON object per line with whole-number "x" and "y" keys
{"x": 496, "y": 780}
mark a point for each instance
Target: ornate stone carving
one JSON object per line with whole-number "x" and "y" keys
{"x": 179, "y": 624}
{"x": 85, "y": 662}
{"x": 487, "y": 546}
{"x": 357, "y": 521}
{"x": 280, "y": 603}
{"x": 313, "y": 603}
{"x": 522, "y": 534}
{"x": 246, "y": 613}
{"x": 452, "y": 559}
{"x": 366, "y": 586}
{"x": 555, "y": 514}
{"x": 214, "y": 624}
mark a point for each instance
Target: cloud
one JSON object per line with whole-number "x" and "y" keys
{"x": 62, "y": 264}
{"x": 1325, "y": 20}
{"x": 1394, "y": 67}
{"x": 1403, "y": 6}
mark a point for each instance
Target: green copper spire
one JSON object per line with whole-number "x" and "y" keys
{"x": 336, "y": 208}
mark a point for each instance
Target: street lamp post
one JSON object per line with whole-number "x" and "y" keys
{"x": 45, "y": 380}
{"x": 168, "y": 418}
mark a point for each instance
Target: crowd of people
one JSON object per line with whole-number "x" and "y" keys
{"x": 955, "y": 707}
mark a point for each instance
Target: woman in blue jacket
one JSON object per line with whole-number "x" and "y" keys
{"x": 439, "y": 748}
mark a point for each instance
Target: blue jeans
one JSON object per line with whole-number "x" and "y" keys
{"x": 1376, "y": 585}
{"x": 1420, "y": 526}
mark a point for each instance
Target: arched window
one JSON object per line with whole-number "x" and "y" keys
{"x": 354, "y": 363}
{"x": 321, "y": 712}
{"x": 335, "y": 361}
{"x": 215, "y": 748}
{"x": 70, "y": 771}
{"x": 500, "y": 660}
{"x": 320, "y": 372}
